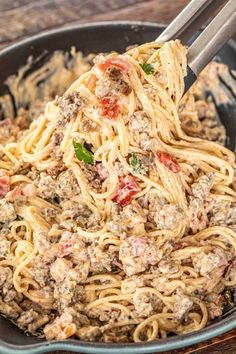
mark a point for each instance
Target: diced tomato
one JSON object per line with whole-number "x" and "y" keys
{"x": 4, "y": 183}
{"x": 117, "y": 62}
{"x": 91, "y": 83}
{"x": 126, "y": 190}
{"x": 65, "y": 248}
{"x": 169, "y": 161}
{"x": 109, "y": 107}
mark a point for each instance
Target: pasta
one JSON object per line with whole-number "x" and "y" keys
{"x": 117, "y": 223}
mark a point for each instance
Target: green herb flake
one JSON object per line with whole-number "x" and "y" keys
{"x": 136, "y": 164}
{"x": 134, "y": 160}
{"x": 147, "y": 68}
{"x": 83, "y": 154}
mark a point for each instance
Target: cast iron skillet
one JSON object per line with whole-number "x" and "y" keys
{"x": 99, "y": 37}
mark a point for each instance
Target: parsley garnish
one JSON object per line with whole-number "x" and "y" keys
{"x": 136, "y": 164}
{"x": 147, "y": 68}
{"x": 133, "y": 160}
{"x": 82, "y": 153}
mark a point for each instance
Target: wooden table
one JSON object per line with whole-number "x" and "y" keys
{"x": 22, "y": 18}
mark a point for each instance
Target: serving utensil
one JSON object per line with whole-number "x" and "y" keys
{"x": 204, "y": 45}
{"x": 208, "y": 42}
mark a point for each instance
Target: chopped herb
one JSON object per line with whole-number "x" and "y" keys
{"x": 147, "y": 68}
{"x": 134, "y": 160}
{"x": 82, "y": 153}
{"x": 136, "y": 164}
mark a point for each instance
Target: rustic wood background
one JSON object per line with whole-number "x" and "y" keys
{"x": 22, "y": 18}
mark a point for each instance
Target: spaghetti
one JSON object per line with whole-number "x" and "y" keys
{"x": 118, "y": 224}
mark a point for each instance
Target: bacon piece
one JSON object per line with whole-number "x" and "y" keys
{"x": 126, "y": 190}
{"x": 169, "y": 161}
{"x": 109, "y": 107}
{"x": 4, "y": 183}
{"x": 117, "y": 62}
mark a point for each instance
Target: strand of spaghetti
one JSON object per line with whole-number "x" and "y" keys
{"x": 225, "y": 190}
{"x": 181, "y": 329}
{"x": 143, "y": 324}
{"x": 90, "y": 235}
{"x": 228, "y": 282}
{"x": 42, "y": 203}
{"x": 122, "y": 136}
{"x": 46, "y": 302}
{"x": 110, "y": 291}
{"x": 29, "y": 282}
{"x": 167, "y": 300}
{"x": 11, "y": 157}
{"x": 108, "y": 306}
{"x": 154, "y": 332}
{"x": 19, "y": 178}
{"x": 120, "y": 324}
{"x": 224, "y": 232}
{"x": 28, "y": 230}
{"x": 6, "y": 165}
{"x": 187, "y": 251}
{"x": 96, "y": 287}
{"x": 82, "y": 183}
{"x": 77, "y": 83}
{"x": 109, "y": 299}
{"x": 113, "y": 179}
{"x": 36, "y": 131}
{"x": 102, "y": 277}
{"x": 18, "y": 269}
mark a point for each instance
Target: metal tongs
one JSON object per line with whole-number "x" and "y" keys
{"x": 210, "y": 40}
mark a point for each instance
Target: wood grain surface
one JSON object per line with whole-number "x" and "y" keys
{"x": 22, "y": 18}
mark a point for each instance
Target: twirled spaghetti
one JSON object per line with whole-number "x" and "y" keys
{"x": 117, "y": 224}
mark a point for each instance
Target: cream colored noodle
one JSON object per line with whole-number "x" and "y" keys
{"x": 114, "y": 141}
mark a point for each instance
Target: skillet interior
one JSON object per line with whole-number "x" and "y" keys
{"x": 96, "y": 38}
